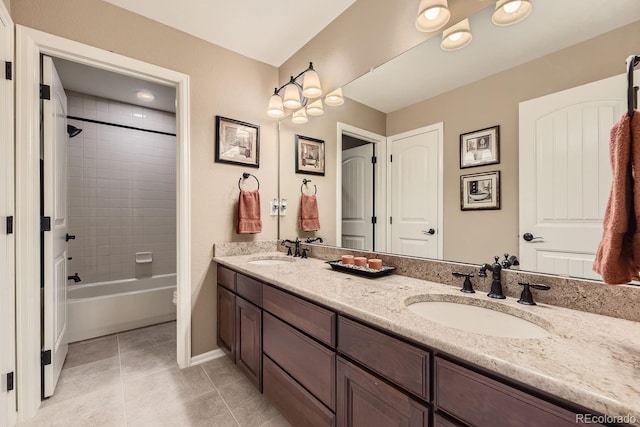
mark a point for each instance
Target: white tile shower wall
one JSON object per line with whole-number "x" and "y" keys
{"x": 122, "y": 190}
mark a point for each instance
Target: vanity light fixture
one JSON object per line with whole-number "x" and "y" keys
{"x": 457, "y": 36}
{"x": 511, "y": 11}
{"x": 432, "y": 15}
{"x": 300, "y": 116}
{"x": 334, "y": 99}
{"x": 315, "y": 108}
{"x": 295, "y": 95}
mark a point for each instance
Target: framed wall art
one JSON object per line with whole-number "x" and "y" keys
{"x": 237, "y": 142}
{"x": 309, "y": 155}
{"x": 480, "y": 147}
{"x": 480, "y": 191}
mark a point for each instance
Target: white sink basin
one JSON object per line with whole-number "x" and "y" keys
{"x": 476, "y": 319}
{"x": 271, "y": 261}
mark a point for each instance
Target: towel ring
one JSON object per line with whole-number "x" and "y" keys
{"x": 246, "y": 175}
{"x": 304, "y": 182}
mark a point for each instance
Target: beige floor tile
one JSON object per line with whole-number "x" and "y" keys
{"x": 238, "y": 392}
{"x": 207, "y": 410}
{"x": 255, "y": 412}
{"x": 142, "y": 338}
{"x": 278, "y": 421}
{"x": 143, "y": 362}
{"x": 222, "y": 371}
{"x": 102, "y": 408}
{"x": 92, "y": 350}
{"x": 84, "y": 379}
{"x": 145, "y": 396}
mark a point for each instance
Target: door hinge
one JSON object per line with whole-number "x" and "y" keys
{"x": 390, "y": 220}
{"x": 391, "y": 157}
{"x": 9, "y": 225}
{"x": 374, "y": 220}
{"x": 45, "y": 91}
{"x": 45, "y": 223}
{"x": 8, "y": 70}
{"x": 374, "y": 160}
{"x": 10, "y": 385}
{"x": 46, "y": 357}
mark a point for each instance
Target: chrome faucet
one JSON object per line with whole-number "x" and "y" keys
{"x": 496, "y": 284}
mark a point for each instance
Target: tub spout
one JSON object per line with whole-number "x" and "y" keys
{"x": 75, "y": 278}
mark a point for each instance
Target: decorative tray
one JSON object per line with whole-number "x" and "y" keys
{"x": 360, "y": 271}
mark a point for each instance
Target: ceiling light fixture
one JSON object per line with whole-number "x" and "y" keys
{"x": 511, "y": 11}
{"x": 457, "y": 36}
{"x": 145, "y": 96}
{"x": 432, "y": 15}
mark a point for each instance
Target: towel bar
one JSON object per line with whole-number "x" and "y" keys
{"x": 246, "y": 175}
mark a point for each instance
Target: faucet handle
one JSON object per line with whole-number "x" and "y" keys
{"x": 467, "y": 287}
{"x": 304, "y": 253}
{"x": 526, "y": 297}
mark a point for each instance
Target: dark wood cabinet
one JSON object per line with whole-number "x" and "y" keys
{"x": 248, "y": 351}
{"x": 226, "y": 324}
{"x": 366, "y": 401}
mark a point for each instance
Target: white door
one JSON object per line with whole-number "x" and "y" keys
{"x": 357, "y": 197}
{"x": 416, "y": 192}
{"x": 7, "y": 243}
{"x": 55, "y": 206}
{"x": 565, "y": 175}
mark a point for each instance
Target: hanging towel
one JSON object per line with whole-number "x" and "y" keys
{"x": 249, "y": 212}
{"x": 308, "y": 215}
{"x": 618, "y": 256}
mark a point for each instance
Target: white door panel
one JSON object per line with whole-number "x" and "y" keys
{"x": 357, "y": 197}
{"x": 565, "y": 175}
{"x": 55, "y": 244}
{"x": 415, "y": 186}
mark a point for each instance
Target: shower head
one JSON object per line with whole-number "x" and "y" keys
{"x": 73, "y": 131}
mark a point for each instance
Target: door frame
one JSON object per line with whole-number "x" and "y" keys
{"x": 380, "y": 195}
{"x": 440, "y": 128}
{"x": 30, "y": 44}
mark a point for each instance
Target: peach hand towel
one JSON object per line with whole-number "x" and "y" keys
{"x": 249, "y": 212}
{"x": 617, "y": 259}
{"x": 308, "y": 215}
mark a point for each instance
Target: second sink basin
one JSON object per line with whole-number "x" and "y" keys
{"x": 476, "y": 319}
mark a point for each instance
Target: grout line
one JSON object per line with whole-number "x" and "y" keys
{"x": 124, "y": 406}
{"x": 220, "y": 394}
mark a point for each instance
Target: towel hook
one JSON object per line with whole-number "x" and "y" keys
{"x": 246, "y": 175}
{"x": 304, "y": 182}
{"x": 632, "y": 91}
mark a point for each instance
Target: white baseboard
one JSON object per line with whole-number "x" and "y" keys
{"x": 205, "y": 357}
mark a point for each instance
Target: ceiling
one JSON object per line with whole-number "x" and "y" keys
{"x": 268, "y": 31}
{"x": 427, "y": 71}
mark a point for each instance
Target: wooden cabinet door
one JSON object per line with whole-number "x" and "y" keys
{"x": 249, "y": 340}
{"x": 226, "y": 325}
{"x": 366, "y": 401}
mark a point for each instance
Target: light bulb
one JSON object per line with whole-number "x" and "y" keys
{"x": 513, "y": 6}
{"x": 432, "y": 13}
{"x": 455, "y": 36}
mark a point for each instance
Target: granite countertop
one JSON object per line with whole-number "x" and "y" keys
{"x": 588, "y": 359}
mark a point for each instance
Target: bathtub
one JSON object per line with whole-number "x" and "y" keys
{"x": 104, "y": 308}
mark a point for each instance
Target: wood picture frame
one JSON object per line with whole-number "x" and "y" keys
{"x": 480, "y": 191}
{"x": 310, "y": 157}
{"x": 480, "y": 147}
{"x": 237, "y": 142}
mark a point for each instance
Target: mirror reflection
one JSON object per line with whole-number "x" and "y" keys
{"x": 409, "y": 114}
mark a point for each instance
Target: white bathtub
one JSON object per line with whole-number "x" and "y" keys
{"x": 104, "y": 308}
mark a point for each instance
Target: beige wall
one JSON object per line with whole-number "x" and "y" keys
{"x": 323, "y": 128}
{"x": 222, "y": 83}
{"x": 494, "y": 101}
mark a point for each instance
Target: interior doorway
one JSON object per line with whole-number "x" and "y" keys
{"x": 30, "y": 45}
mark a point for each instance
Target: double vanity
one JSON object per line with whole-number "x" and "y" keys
{"x": 329, "y": 348}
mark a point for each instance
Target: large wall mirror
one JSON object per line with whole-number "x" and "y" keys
{"x": 416, "y": 107}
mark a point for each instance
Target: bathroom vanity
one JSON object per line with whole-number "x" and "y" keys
{"x": 328, "y": 348}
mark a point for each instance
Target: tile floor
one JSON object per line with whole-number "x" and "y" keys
{"x": 132, "y": 379}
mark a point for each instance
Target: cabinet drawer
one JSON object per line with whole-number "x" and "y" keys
{"x": 311, "y": 364}
{"x": 405, "y": 365}
{"x": 227, "y": 278}
{"x": 478, "y": 400}
{"x": 318, "y": 322}
{"x": 249, "y": 289}
{"x": 295, "y": 403}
